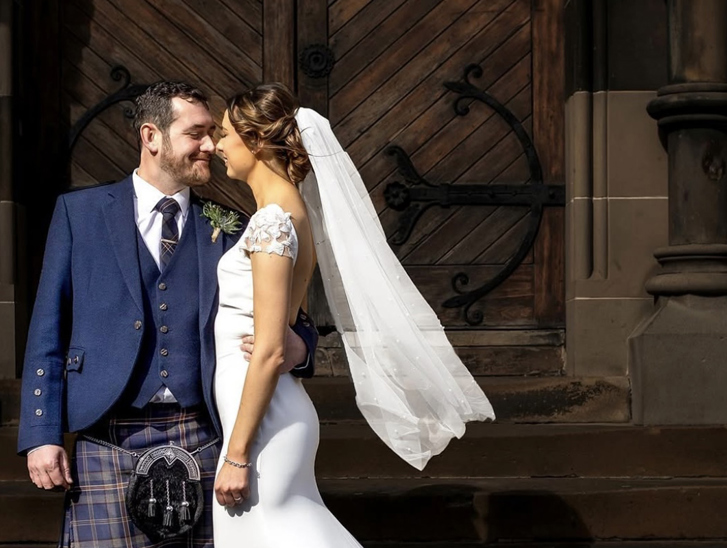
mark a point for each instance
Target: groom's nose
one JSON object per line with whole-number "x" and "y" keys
{"x": 207, "y": 145}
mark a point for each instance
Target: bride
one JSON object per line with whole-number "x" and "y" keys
{"x": 410, "y": 386}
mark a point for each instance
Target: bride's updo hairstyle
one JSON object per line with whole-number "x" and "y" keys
{"x": 264, "y": 117}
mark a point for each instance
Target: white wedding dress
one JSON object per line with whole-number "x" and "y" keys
{"x": 285, "y": 509}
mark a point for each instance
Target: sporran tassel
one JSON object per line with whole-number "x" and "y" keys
{"x": 168, "y": 516}
{"x": 184, "y": 512}
{"x": 184, "y": 508}
{"x": 151, "y": 509}
{"x": 168, "y": 511}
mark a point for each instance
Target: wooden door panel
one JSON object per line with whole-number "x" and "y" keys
{"x": 387, "y": 87}
{"x": 428, "y": 107}
{"x": 216, "y": 45}
{"x": 370, "y": 32}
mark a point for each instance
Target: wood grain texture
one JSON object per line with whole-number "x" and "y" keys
{"x": 387, "y": 88}
{"x": 549, "y": 137}
{"x": 341, "y": 13}
{"x": 392, "y": 59}
{"x": 154, "y": 41}
{"x": 510, "y": 304}
{"x": 368, "y": 20}
{"x": 312, "y": 25}
{"x": 279, "y": 42}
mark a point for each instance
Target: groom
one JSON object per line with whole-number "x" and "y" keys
{"x": 121, "y": 342}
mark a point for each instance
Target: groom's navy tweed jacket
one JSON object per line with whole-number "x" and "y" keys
{"x": 89, "y": 318}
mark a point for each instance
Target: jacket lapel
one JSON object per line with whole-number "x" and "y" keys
{"x": 209, "y": 255}
{"x": 119, "y": 215}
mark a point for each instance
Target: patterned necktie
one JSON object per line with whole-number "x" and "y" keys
{"x": 168, "y": 207}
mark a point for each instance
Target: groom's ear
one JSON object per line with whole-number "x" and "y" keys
{"x": 151, "y": 137}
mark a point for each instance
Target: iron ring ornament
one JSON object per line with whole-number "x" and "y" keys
{"x": 316, "y": 61}
{"x": 126, "y": 93}
{"x": 415, "y": 195}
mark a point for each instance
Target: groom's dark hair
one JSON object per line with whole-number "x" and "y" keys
{"x": 155, "y": 104}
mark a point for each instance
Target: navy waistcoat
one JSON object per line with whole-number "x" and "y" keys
{"x": 170, "y": 352}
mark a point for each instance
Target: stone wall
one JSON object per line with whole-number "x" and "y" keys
{"x": 617, "y": 206}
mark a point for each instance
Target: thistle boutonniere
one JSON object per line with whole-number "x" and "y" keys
{"x": 221, "y": 219}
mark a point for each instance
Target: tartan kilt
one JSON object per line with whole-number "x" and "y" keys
{"x": 95, "y": 510}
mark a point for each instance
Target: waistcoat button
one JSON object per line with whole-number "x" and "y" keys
{"x": 164, "y": 352}
{"x": 163, "y": 286}
{"x": 163, "y": 306}
{"x": 137, "y": 324}
{"x": 164, "y": 373}
{"x": 164, "y": 329}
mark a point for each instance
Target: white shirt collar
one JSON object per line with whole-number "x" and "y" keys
{"x": 148, "y": 196}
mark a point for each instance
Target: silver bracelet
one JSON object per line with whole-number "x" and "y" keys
{"x": 237, "y": 464}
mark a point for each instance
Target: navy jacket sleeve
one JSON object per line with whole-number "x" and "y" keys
{"x": 305, "y": 328}
{"x": 42, "y": 404}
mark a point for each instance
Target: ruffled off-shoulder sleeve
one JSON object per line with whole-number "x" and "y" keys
{"x": 271, "y": 230}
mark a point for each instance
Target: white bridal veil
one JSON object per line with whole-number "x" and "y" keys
{"x": 411, "y": 387}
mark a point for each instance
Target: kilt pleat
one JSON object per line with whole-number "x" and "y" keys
{"x": 95, "y": 512}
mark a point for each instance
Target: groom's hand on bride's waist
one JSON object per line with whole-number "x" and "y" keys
{"x": 296, "y": 352}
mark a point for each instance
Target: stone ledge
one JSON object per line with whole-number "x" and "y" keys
{"x": 485, "y": 511}
{"x": 515, "y": 399}
{"x": 517, "y": 510}
{"x": 537, "y": 450}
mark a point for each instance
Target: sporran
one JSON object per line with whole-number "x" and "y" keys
{"x": 164, "y": 497}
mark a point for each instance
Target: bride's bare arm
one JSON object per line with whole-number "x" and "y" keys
{"x": 272, "y": 281}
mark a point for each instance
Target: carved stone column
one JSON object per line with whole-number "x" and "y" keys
{"x": 678, "y": 356}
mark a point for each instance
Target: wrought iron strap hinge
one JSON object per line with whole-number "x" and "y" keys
{"x": 415, "y": 195}
{"x": 399, "y": 196}
{"x": 128, "y": 92}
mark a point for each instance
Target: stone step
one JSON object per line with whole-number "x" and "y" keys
{"x": 532, "y": 512}
{"x": 613, "y": 544}
{"x": 550, "y": 544}
{"x": 526, "y": 510}
{"x": 545, "y": 544}
{"x": 534, "y": 450}
{"x": 13, "y": 467}
{"x": 32, "y": 545}
{"x": 350, "y": 449}
{"x": 9, "y": 401}
{"x": 515, "y": 399}
{"x": 29, "y": 514}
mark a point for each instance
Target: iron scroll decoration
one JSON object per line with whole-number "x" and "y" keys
{"x": 416, "y": 195}
{"x": 127, "y": 92}
{"x": 316, "y": 61}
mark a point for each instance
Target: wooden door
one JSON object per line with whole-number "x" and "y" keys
{"x": 110, "y": 48}
{"x": 399, "y": 80}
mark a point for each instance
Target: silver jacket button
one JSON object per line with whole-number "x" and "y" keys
{"x": 38, "y": 412}
{"x": 37, "y": 391}
{"x": 40, "y": 372}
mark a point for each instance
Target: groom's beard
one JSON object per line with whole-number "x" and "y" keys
{"x": 184, "y": 170}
